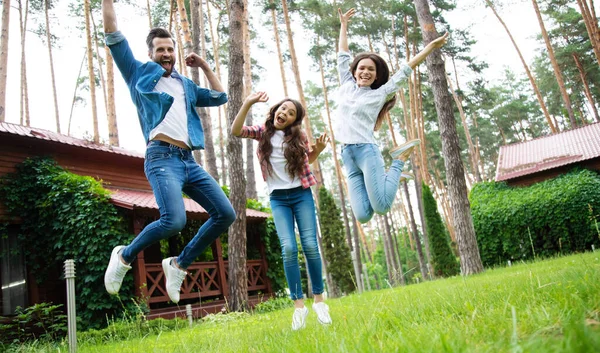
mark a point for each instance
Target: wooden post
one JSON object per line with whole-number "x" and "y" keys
{"x": 261, "y": 248}
{"x": 139, "y": 265}
{"x": 221, "y": 265}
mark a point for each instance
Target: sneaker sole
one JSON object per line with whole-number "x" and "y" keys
{"x": 396, "y": 151}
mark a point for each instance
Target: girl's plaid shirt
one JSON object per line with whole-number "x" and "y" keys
{"x": 255, "y": 132}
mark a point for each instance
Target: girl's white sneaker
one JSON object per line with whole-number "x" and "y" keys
{"x": 299, "y": 318}
{"x": 322, "y": 311}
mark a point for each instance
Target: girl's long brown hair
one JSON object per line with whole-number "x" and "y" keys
{"x": 295, "y": 150}
{"x": 383, "y": 76}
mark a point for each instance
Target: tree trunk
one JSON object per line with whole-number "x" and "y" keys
{"x": 91, "y": 74}
{"x": 24, "y": 89}
{"x": 4, "y": 36}
{"x": 553, "y": 128}
{"x": 49, "y": 42}
{"x": 295, "y": 68}
{"x": 392, "y": 250}
{"x": 467, "y": 242}
{"x": 415, "y": 232}
{"x": 238, "y": 276}
{"x": 557, "y": 71}
{"x": 463, "y": 119}
{"x": 251, "y": 192}
{"x": 149, "y": 12}
{"x": 277, "y": 42}
{"x": 338, "y": 173}
{"x": 586, "y": 86}
{"x": 591, "y": 27}
{"x": 75, "y": 91}
{"x": 113, "y": 132}
{"x": 386, "y": 249}
{"x": 215, "y": 49}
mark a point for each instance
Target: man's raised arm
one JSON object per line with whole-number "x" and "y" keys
{"x": 109, "y": 17}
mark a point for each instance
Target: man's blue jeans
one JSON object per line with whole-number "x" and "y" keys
{"x": 371, "y": 189}
{"x": 171, "y": 170}
{"x": 298, "y": 204}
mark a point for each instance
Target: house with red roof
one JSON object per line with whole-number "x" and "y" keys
{"x": 122, "y": 172}
{"x": 529, "y": 162}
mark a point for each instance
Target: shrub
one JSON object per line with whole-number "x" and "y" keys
{"x": 444, "y": 261}
{"x": 335, "y": 248}
{"x": 44, "y": 321}
{"x": 273, "y": 304}
{"x": 551, "y": 217}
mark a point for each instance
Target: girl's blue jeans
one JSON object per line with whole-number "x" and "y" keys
{"x": 172, "y": 170}
{"x": 371, "y": 189}
{"x": 297, "y": 204}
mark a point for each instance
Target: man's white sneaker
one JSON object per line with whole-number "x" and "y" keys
{"x": 299, "y": 318}
{"x": 322, "y": 311}
{"x": 173, "y": 279}
{"x": 116, "y": 270}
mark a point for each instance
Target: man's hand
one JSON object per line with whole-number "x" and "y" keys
{"x": 194, "y": 60}
{"x": 109, "y": 17}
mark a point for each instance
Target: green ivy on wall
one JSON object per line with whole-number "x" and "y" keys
{"x": 67, "y": 216}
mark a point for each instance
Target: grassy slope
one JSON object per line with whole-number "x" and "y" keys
{"x": 548, "y": 306}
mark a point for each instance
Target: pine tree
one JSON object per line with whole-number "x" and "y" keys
{"x": 444, "y": 261}
{"x": 335, "y": 247}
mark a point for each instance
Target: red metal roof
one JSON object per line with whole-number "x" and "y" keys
{"x": 138, "y": 199}
{"x": 548, "y": 152}
{"x": 15, "y": 129}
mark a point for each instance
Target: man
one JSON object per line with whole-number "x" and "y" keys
{"x": 166, "y": 104}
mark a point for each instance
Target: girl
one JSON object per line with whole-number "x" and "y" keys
{"x": 284, "y": 155}
{"x": 365, "y": 97}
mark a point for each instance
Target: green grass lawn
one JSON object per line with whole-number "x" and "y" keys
{"x": 547, "y": 306}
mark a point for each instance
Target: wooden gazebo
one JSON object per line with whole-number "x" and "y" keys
{"x": 122, "y": 172}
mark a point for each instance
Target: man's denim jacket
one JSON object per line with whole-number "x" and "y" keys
{"x": 141, "y": 78}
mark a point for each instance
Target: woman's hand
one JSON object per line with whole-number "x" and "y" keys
{"x": 439, "y": 41}
{"x": 344, "y": 18}
{"x": 321, "y": 143}
{"x": 256, "y": 97}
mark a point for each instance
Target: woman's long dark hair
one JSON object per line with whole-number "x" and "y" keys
{"x": 295, "y": 150}
{"x": 382, "y": 76}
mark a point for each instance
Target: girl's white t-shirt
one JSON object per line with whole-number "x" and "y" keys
{"x": 174, "y": 124}
{"x": 280, "y": 179}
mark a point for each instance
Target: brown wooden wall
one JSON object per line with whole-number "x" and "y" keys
{"x": 526, "y": 180}
{"x": 115, "y": 170}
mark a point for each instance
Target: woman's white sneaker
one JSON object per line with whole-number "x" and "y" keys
{"x": 299, "y": 318}
{"x": 322, "y": 311}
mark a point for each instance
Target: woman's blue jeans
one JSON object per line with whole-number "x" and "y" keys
{"x": 172, "y": 170}
{"x": 371, "y": 189}
{"x": 297, "y": 204}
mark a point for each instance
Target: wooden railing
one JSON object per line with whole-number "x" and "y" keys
{"x": 203, "y": 280}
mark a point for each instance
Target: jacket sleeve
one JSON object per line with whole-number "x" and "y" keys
{"x": 123, "y": 56}
{"x": 209, "y": 98}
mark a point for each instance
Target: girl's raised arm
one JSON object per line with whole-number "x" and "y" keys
{"x": 238, "y": 122}
{"x": 434, "y": 44}
{"x": 344, "y": 19}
